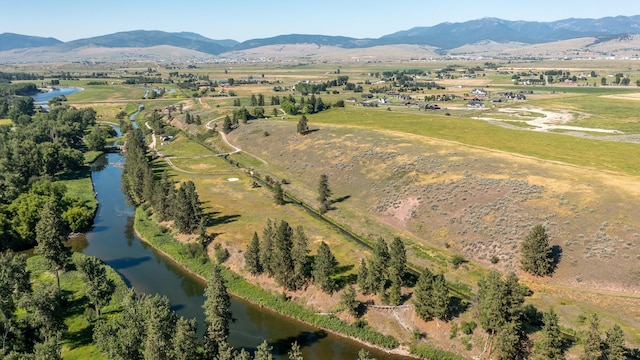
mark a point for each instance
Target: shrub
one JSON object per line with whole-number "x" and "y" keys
{"x": 468, "y": 327}
{"x": 457, "y": 260}
{"x": 453, "y": 333}
{"x": 221, "y": 253}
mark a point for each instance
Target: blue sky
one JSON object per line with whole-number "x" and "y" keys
{"x": 248, "y": 19}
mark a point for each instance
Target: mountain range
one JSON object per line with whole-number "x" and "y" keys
{"x": 441, "y": 39}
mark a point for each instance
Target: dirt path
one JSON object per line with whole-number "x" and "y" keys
{"x": 226, "y": 141}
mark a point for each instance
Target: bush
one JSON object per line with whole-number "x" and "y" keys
{"x": 453, "y": 333}
{"x": 468, "y": 327}
{"x": 457, "y": 260}
{"x": 221, "y": 253}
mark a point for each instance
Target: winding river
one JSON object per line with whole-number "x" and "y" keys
{"x": 113, "y": 240}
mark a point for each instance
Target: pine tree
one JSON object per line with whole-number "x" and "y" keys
{"x": 378, "y": 267}
{"x": 349, "y": 301}
{"x": 50, "y": 235}
{"x": 422, "y": 295}
{"x": 398, "y": 260}
{"x": 440, "y": 298}
{"x": 591, "y": 340}
{"x": 281, "y": 261}
{"x": 614, "y": 344}
{"x": 299, "y": 255}
{"x": 499, "y": 301}
{"x": 303, "y": 126}
{"x": 217, "y": 311}
{"x": 536, "y": 253}
{"x": 324, "y": 266}
{"x": 252, "y": 256}
{"x": 263, "y": 352}
{"x": 363, "y": 278}
{"x": 159, "y": 324}
{"x": 295, "y": 353}
{"x": 324, "y": 193}
{"x": 548, "y": 346}
{"x": 226, "y": 125}
{"x": 278, "y": 194}
{"x": 508, "y": 342}
{"x": 266, "y": 247}
{"x": 185, "y": 340}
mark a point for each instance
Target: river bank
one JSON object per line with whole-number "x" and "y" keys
{"x": 151, "y": 233}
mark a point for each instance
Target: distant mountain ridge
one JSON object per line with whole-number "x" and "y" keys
{"x": 9, "y": 41}
{"x": 443, "y": 37}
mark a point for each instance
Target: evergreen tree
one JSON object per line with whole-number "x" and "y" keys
{"x": 614, "y": 344}
{"x": 162, "y": 197}
{"x": 281, "y": 261}
{"x": 50, "y": 235}
{"x": 278, "y": 194}
{"x": 217, "y": 311}
{"x": 122, "y": 336}
{"x": 536, "y": 253}
{"x": 440, "y": 298}
{"x": 266, "y": 246}
{"x": 591, "y": 340}
{"x": 185, "y": 340}
{"x": 397, "y": 268}
{"x": 188, "y": 211}
{"x": 295, "y": 353}
{"x": 509, "y": 342}
{"x": 98, "y": 287}
{"x": 324, "y": 193}
{"x": 349, "y": 301}
{"x": 422, "y": 295}
{"x": 252, "y": 256}
{"x": 364, "y": 278}
{"x": 159, "y": 324}
{"x": 299, "y": 255}
{"x": 364, "y": 355}
{"x": 303, "y": 126}
{"x": 226, "y": 125}
{"x": 398, "y": 260}
{"x": 324, "y": 266}
{"x": 548, "y": 346}
{"x": 378, "y": 266}
{"x": 263, "y": 352}
{"x": 499, "y": 301}
{"x": 395, "y": 294}
{"x": 254, "y": 100}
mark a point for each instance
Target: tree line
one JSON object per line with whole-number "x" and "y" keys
{"x": 180, "y": 204}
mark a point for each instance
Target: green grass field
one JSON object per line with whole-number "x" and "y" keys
{"x": 602, "y": 155}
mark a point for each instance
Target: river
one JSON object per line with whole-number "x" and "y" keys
{"x": 43, "y": 98}
{"x": 113, "y": 240}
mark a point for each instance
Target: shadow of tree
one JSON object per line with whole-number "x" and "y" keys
{"x": 556, "y": 254}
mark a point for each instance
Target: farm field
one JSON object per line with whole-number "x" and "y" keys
{"x": 459, "y": 181}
